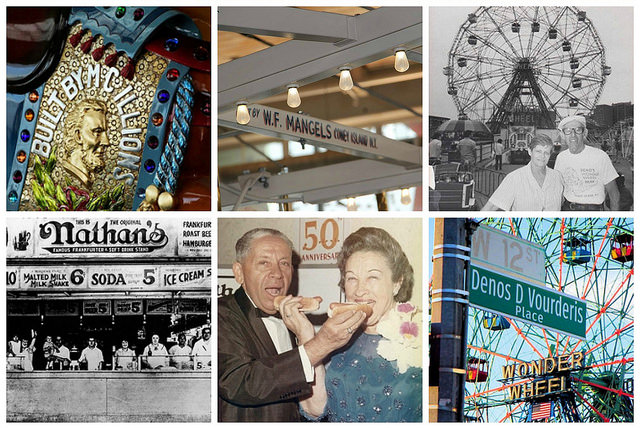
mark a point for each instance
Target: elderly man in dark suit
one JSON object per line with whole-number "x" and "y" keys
{"x": 262, "y": 373}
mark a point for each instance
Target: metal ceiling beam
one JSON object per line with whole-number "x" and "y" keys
{"x": 415, "y": 55}
{"x": 330, "y": 183}
{"x": 269, "y": 71}
{"x": 287, "y": 22}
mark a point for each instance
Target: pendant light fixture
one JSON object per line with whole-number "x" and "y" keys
{"x": 402, "y": 62}
{"x": 351, "y": 204}
{"x": 293, "y": 97}
{"x": 405, "y": 197}
{"x": 242, "y": 113}
{"x": 346, "y": 83}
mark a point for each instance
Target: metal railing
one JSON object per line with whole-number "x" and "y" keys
{"x": 487, "y": 180}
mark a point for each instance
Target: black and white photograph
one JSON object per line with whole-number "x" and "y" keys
{"x": 531, "y": 108}
{"x": 108, "y": 319}
{"x": 319, "y": 319}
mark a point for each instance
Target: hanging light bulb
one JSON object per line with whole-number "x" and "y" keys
{"x": 293, "y": 97}
{"x": 351, "y": 204}
{"x": 346, "y": 83}
{"x": 405, "y": 197}
{"x": 242, "y": 113}
{"x": 401, "y": 63}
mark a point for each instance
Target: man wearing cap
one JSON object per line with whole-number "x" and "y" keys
{"x": 588, "y": 174}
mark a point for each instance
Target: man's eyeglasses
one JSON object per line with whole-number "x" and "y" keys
{"x": 577, "y": 131}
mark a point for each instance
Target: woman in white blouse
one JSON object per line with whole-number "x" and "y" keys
{"x": 534, "y": 187}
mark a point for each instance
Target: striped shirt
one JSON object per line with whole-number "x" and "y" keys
{"x": 520, "y": 191}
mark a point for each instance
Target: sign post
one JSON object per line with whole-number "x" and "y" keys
{"x": 507, "y": 277}
{"x": 449, "y": 313}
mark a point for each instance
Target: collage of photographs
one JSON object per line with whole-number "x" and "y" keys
{"x": 347, "y": 291}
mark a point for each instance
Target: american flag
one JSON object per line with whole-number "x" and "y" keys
{"x": 541, "y": 411}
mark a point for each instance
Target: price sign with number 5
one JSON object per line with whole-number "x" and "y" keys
{"x": 320, "y": 240}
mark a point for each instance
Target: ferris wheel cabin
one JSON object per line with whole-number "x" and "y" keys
{"x": 477, "y": 370}
{"x": 622, "y": 247}
{"x": 576, "y": 251}
{"x": 495, "y": 322}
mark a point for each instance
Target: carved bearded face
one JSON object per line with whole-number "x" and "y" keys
{"x": 93, "y": 140}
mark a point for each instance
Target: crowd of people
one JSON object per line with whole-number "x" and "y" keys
{"x": 193, "y": 354}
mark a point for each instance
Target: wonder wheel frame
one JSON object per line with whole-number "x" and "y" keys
{"x": 603, "y": 390}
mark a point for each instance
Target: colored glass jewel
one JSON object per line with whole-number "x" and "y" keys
{"x": 152, "y": 142}
{"x": 149, "y": 165}
{"x": 138, "y": 14}
{"x": 157, "y": 119}
{"x": 29, "y": 115}
{"x": 17, "y": 176}
{"x": 201, "y": 53}
{"x": 173, "y": 74}
{"x": 25, "y": 135}
{"x": 33, "y": 96}
{"x": 171, "y": 44}
{"x": 163, "y": 96}
{"x": 140, "y": 192}
{"x": 206, "y": 108}
{"x": 13, "y": 197}
{"x": 21, "y": 156}
{"x": 120, "y": 11}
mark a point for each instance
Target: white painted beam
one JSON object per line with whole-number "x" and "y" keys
{"x": 415, "y": 55}
{"x": 323, "y": 133}
{"x": 293, "y": 23}
{"x": 330, "y": 183}
{"x": 269, "y": 71}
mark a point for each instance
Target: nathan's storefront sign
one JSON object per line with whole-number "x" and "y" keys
{"x": 548, "y": 375}
{"x": 106, "y": 238}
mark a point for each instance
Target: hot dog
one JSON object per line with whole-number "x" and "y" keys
{"x": 337, "y": 308}
{"x": 309, "y": 304}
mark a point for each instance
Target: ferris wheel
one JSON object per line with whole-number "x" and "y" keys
{"x": 546, "y": 61}
{"x": 588, "y": 258}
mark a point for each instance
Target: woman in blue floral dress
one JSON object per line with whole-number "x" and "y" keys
{"x": 377, "y": 377}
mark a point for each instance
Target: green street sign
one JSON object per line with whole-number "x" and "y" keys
{"x": 520, "y": 299}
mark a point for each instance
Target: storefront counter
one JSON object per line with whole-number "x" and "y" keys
{"x": 105, "y": 396}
